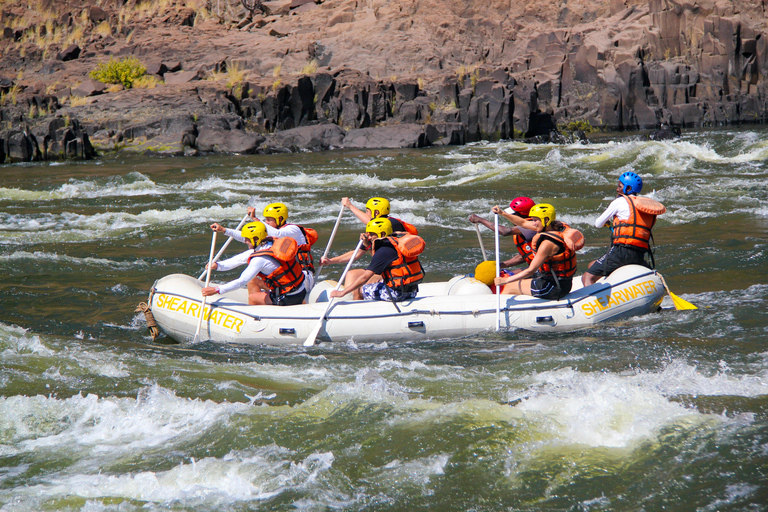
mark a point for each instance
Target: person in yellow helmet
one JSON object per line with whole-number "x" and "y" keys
{"x": 378, "y": 207}
{"x": 394, "y": 259}
{"x": 275, "y": 220}
{"x": 550, "y": 274}
{"x": 272, "y": 275}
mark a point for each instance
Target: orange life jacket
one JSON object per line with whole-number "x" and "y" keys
{"x": 409, "y": 228}
{"x": 524, "y": 248}
{"x": 287, "y": 277}
{"x": 406, "y": 270}
{"x": 304, "y": 254}
{"x": 636, "y": 230}
{"x": 568, "y": 240}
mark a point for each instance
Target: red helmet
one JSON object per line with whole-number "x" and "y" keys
{"x": 522, "y": 205}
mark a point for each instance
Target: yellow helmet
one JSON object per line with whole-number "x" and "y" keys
{"x": 382, "y": 227}
{"x": 256, "y": 232}
{"x": 277, "y": 211}
{"x": 378, "y": 204}
{"x": 485, "y": 272}
{"x": 545, "y": 212}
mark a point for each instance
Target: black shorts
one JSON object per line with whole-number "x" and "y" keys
{"x": 287, "y": 300}
{"x": 617, "y": 256}
{"x": 545, "y": 287}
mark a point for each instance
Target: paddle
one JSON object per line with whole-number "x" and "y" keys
{"x": 677, "y": 301}
{"x": 223, "y": 247}
{"x": 498, "y": 267}
{"x": 330, "y": 241}
{"x": 313, "y": 335}
{"x": 207, "y": 282}
{"x": 480, "y": 240}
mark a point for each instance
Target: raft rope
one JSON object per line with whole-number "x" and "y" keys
{"x": 150, "y": 318}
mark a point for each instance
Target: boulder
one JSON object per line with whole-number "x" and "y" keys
{"x": 320, "y": 137}
{"x": 181, "y": 77}
{"x": 228, "y": 141}
{"x": 71, "y": 52}
{"x": 387, "y": 137}
{"x": 89, "y": 88}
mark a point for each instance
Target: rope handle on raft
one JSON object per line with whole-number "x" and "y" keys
{"x": 150, "y": 318}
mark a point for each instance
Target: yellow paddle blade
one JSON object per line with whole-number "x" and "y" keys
{"x": 681, "y": 303}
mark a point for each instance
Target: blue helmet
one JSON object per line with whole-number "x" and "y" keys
{"x": 633, "y": 183}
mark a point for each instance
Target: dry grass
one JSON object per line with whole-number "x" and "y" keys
{"x": 76, "y": 36}
{"x": 235, "y": 73}
{"x": 463, "y": 71}
{"x": 147, "y": 82}
{"x": 11, "y": 95}
{"x": 78, "y": 101}
{"x": 104, "y": 29}
{"x": 310, "y": 68}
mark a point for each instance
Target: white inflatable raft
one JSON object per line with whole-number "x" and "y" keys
{"x": 460, "y": 307}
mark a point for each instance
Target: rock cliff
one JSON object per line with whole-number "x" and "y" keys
{"x": 247, "y": 76}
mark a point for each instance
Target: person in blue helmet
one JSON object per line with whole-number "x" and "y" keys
{"x": 632, "y": 217}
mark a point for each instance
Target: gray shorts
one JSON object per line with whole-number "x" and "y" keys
{"x": 617, "y": 256}
{"x": 545, "y": 287}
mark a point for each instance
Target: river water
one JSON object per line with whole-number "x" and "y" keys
{"x": 667, "y": 411}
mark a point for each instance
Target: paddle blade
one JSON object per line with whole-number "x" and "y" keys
{"x": 681, "y": 303}
{"x": 310, "y": 341}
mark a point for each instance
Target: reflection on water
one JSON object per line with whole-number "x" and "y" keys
{"x": 666, "y": 408}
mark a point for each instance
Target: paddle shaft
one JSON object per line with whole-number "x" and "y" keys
{"x": 313, "y": 335}
{"x": 330, "y": 240}
{"x": 223, "y": 247}
{"x": 498, "y": 270}
{"x": 480, "y": 240}
{"x": 207, "y": 282}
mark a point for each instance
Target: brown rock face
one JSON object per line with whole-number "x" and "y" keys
{"x": 447, "y": 72}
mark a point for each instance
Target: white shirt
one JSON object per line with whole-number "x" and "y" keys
{"x": 288, "y": 230}
{"x": 618, "y": 208}
{"x": 258, "y": 265}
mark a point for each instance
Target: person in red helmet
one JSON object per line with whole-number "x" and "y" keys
{"x": 520, "y": 236}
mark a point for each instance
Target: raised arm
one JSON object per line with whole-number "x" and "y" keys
{"x": 515, "y": 219}
{"x": 364, "y": 217}
{"x": 503, "y": 230}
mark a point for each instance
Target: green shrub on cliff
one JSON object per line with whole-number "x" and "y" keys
{"x": 123, "y": 71}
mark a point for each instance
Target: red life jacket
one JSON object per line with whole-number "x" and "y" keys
{"x": 524, "y": 248}
{"x": 568, "y": 240}
{"x": 287, "y": 277}
{"x": 304, "y": 254}
{"x": 406, "y": 270}
{"x": 636, "y": 230}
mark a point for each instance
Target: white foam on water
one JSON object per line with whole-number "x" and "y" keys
{"x": 102, "y": 430}
{"x": 734, "y": 495}
{"x": 130, "y": 185}
{"x": 15, "y": 341}
{"x": 417, "y": 472}
{"x": 17, "y": 256}
{"x": 238, "y": 476}
{"x": 622, "y": 411}
{"x": 369, "y": 386}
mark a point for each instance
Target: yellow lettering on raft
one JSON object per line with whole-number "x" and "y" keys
{"x": 192, "y": 308}
{"x": 621, "y": 296}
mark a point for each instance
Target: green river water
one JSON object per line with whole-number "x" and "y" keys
{"x": 667, "y": 411}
